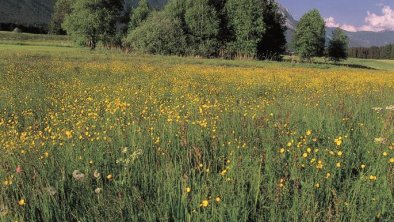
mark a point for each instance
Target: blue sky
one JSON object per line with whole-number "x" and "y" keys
{"x": 348, "y": 14}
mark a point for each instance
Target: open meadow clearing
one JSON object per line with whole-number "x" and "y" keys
{"x": 105, "y": 136}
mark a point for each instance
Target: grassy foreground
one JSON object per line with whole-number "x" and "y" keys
{"x": 98, "y": 136}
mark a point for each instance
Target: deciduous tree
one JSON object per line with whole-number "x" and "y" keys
{"x": 338, "y": 45}
{"x": 92, "y": 21}
{"x": 61, "y": 9}
{"x": 159, "y": 34}
{"x": 139, "y": 14}
{"x": 273, "y": 42}
{"x": 309, "y": 38}
{"x": 247, "y": 23}
{"x": 203, "y": 26}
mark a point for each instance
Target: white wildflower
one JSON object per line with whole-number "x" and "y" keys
{"x": 51, "y": 190}
{"x": 391, "y": 107}
{"x": 125, "y": 149}
{"x": 377, "y": 109}
{"x": 3, "y": 209}
{"x": 380, "y": 140}
{"x": 96, "y": 174}
{"x": 78, "y": 175}
{"x": 136, "y": 154}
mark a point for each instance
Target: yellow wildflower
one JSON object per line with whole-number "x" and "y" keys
{"x": 22, "y": 202}
{"x": 319, "y": 165}
{"x": 69, "y": 134}
{"x": 338, "y": 141}
{"x": 372, "y": 177}
{"x": 204, "y": 203}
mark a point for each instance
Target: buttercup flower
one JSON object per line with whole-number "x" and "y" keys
{"x": 204, "y": 203}
{"x": 22, "y": 202}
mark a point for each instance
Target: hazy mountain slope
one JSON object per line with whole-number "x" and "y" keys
{"x": 26, "y": 12}
{"x": 368, "y": 39}
{"x": 291, "y": 23}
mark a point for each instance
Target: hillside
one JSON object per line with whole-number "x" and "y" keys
{"x": 368, "y": 39}
{"x": 26, "y": 12}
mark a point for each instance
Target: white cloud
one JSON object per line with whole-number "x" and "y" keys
{"x": 373, "y": 22}
{"x": 381, "y": 22}
{"x": 330, "y": 22}
{"x": 349, "y": 28}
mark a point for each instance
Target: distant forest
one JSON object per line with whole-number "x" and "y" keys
{"x": 384, "y": 52}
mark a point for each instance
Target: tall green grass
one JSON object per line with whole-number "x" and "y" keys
{"x": 160, "y": 135}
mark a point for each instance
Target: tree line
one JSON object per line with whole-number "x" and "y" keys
{"x": 249, "y": 29}
{"x": 383, "y": 52}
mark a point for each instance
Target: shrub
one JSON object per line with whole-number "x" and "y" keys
{"x": 160, "y": 34}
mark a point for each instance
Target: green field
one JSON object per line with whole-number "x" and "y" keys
{"x": 373, "y": 63}
{"x": 108, "y": 136}
{"x": 12, "y": 38}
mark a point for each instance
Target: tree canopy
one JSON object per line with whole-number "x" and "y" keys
{"x": 247, "y": 22}
{"x": 383, "y": 52}
{"x": 61, "y": 9}
{"x": 273, "y": 43}
{"x": 159, "y": 34}
{"x": 309, "y": 38}
{"x": 202, "y": 22}
{"x": 207, "y": 28}
{"x": 139, "y": 14}
{"x": 338, "y": 45}
{"x": 92, "y": 21}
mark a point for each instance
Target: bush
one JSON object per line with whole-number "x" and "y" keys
{"x": 338, "y": 45}
{"x": 159, "y": 34}
{"x": 91, "y": 22}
